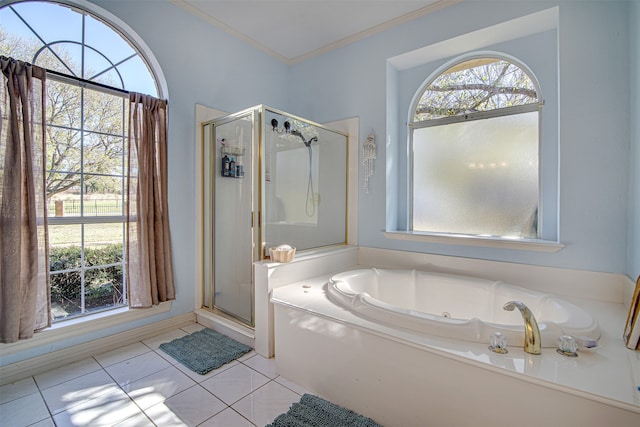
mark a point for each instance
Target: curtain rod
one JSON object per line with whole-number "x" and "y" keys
{"x": 82, "y": 82}
{"x": 56, "y": 75}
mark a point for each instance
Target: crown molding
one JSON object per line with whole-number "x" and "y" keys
{"x": 441, "y": 4}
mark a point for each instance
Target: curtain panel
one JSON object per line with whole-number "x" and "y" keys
{"x": 24, "y": 264}
{"x": 148, "y": 241}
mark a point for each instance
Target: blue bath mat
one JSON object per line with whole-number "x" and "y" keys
{"x": 312, "y": 411}
{"x": 204, "y": 350}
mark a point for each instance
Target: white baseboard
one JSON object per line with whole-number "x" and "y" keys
{"x": 230, "y": 328}
{"x": 46, "y": 362}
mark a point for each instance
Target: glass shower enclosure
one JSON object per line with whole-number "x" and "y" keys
{"x": 270, "y": 178}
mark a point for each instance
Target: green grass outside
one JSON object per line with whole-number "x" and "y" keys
{"x": 95, "y": 235}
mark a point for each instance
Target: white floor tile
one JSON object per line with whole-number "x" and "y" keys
{"x": 66, "y": 373}
{"x": 140, "y": 420}
{"x": 121, "y": 354}
{"x": 227, "y": 418}
{"x": 154, "y": 342}
{"x": 64, "y": 396}
{"x": 193, "y": 328}
{"x": 158, "y": 387}
{"x": 139, "y": 385}
{"x": 263, "y": 365}
{"x": 266, "y": 403}
{"x": 17, "y": 389}
{"x": 23, "y": 411}
{"x": 105, "y": 410}
{"x": 291, "y": 385}
{"x": 137, "y": 367}
{"x": 235, "y": 383}
{"x": 48, "y": 422}
{"x": 190, "y": 407}
{"x": 246, "y": 356}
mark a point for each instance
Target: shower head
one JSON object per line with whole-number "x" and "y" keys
{"x": 304, "y": 141}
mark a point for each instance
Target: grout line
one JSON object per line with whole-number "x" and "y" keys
{"x": 196, "y": 383}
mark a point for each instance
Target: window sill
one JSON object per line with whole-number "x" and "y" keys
{"x": 83, "y": 325}
{"x": 468, "y": 240}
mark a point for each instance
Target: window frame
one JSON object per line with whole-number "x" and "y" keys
{"x": 81, "y": 219}
{"x": 461, "y": 238}
{"x": 141, "y": 50}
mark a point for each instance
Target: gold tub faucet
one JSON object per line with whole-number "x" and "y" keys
{"x": 531, "y": 331}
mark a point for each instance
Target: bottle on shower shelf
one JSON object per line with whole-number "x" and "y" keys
{"x": 225, "y": 165}
{"x": 232, "y": 167}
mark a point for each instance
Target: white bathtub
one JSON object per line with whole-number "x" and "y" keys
{"x": 457, "y": 307}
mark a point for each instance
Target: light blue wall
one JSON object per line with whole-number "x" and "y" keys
{"x": 633, "y": 268}
{"x": 594, "y": 130}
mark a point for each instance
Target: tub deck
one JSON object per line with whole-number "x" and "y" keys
{"x": 399, "y": 377}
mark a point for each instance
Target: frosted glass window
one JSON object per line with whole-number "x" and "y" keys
{"x": 478, "y": 177}
{"x": 475, "y": 139}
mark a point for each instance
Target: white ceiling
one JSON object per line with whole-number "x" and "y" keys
{"x": 294, "y": 30}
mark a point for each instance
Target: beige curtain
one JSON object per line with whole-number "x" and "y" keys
{"x": 149, "y": 261}
{"x": 24, "y": 278}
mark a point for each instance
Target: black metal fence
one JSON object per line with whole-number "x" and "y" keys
{"x": 96, "y": 207}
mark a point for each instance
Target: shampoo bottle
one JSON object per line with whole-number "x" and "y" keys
{"x": 232, "y": 167}
{"x": 225, "y": 165}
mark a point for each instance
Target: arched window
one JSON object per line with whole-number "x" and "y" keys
{"x": 474, "y": 138}
{"x": 90, "y": 67}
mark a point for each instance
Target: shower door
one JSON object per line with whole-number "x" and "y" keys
{"x": 269, "y": 178}
{"x": 231, "y": 200}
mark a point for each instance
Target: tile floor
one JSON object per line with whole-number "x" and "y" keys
{"x": 140, "y": 385}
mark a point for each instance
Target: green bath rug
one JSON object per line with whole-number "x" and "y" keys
{"x": 312, "y": 411}
{"x": 204, "y": 350}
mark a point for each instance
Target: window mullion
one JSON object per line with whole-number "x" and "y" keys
{"x": 480, "y": 115}
{"x": 124, "y": 198}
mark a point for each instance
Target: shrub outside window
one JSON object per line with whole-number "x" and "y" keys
{"x": 474, "y": 141}
{"x": 90, "y": 67}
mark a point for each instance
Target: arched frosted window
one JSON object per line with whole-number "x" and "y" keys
{"x": 91, "y": 66}
{"x": 474, "y": 151}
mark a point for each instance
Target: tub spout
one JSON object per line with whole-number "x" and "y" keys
{"x": 532, "y": 340}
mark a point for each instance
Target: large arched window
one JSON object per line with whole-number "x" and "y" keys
{"x": 91, "y": 66}
{"x": 474, "y": 136}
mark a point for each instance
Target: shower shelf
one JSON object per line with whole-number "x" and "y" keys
{"x": 236, "y": 151}
{"x": 232, "y": 151}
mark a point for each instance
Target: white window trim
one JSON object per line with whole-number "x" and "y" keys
{"x": 81, "y": 326}
{"x": 501, "y": 242}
